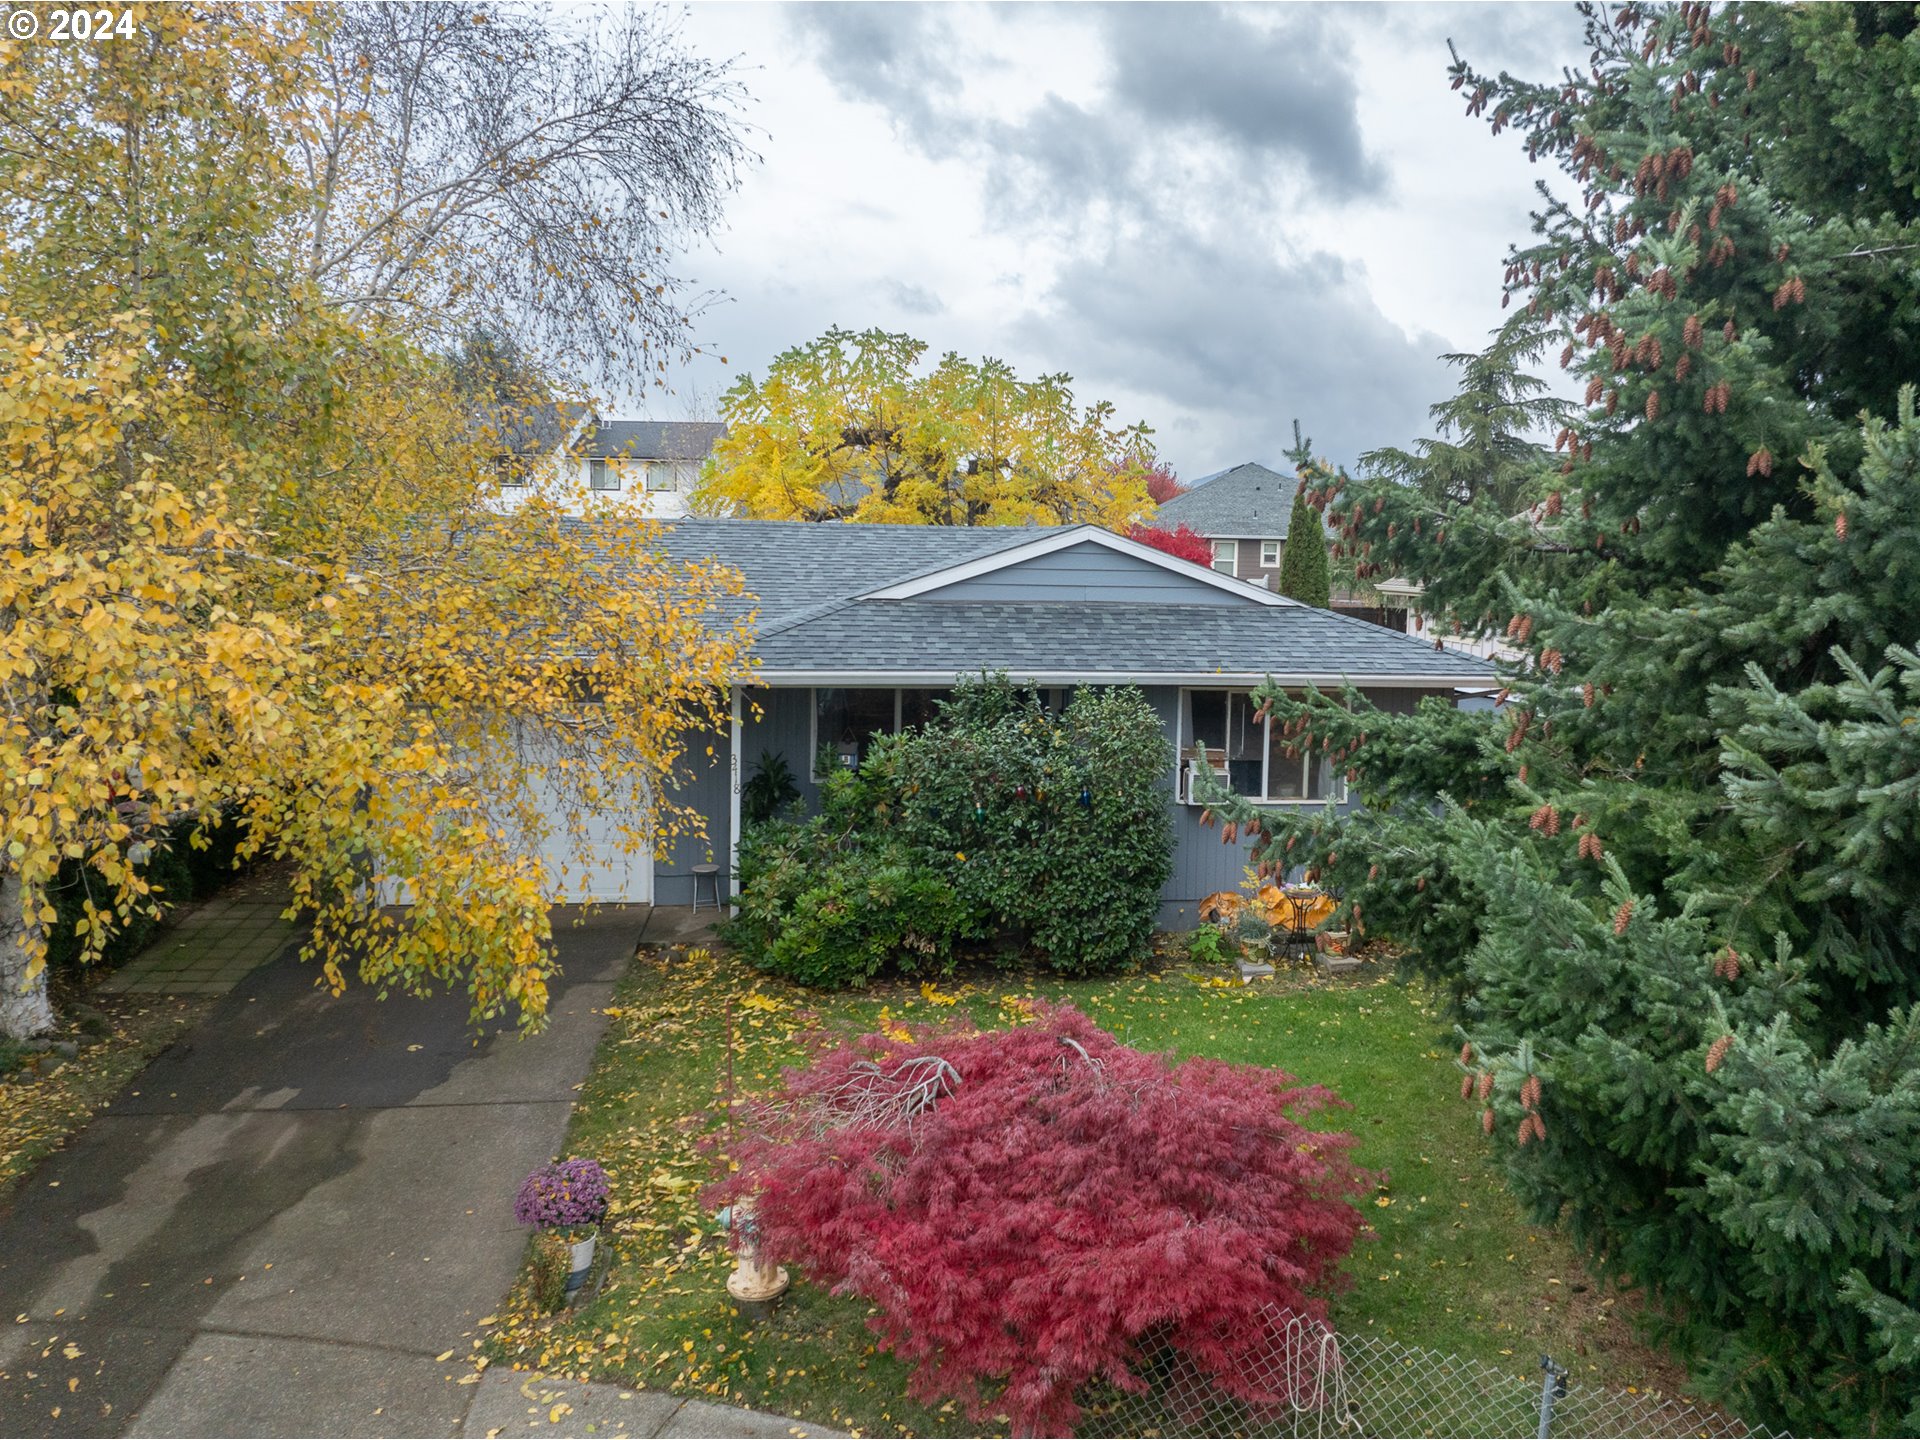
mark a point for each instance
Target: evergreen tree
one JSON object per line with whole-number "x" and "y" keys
{"x": 1304, "y": 575}
{"x": 1484, "y": 447}
{"x": 1671, "y": 883}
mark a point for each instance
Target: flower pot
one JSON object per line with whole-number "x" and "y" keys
{"x": 581, "y": 1252}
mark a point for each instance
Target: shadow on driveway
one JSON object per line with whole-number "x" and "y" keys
{"x": 283, "y": 1220}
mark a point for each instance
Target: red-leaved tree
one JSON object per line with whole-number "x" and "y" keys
{"x": 1035, "y": 1209}
{"x": 1180, "y": 542}
{"x": 1162, "y": 483}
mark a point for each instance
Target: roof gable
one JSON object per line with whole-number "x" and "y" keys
{"x": 1078, "y": 564}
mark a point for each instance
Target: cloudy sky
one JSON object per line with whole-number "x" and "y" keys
{"x": 1220, "y": 218}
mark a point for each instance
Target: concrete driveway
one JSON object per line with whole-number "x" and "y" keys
{"x": 285, "y": 1218}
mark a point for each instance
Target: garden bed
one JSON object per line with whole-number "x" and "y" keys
{"x": 1447, "y": 1261}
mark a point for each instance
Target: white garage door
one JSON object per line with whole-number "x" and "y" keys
{"x": 584, "y": 858}
{"x": 578, "y": 861}
{"x": 593, "y": 866}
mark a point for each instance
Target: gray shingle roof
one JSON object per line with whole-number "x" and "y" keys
{"x": 1249, "y": 500}
{"x": 528, "y": 430}
{"x": 653, "y": 439}
{"x": 794, "y": 565}
{"x": 807, "y": 579}
{"x": 934, "y": 641}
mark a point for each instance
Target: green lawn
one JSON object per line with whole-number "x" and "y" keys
{"x": 1448, "y": 1263}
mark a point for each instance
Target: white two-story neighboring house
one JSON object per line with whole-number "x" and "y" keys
{"x": 654, "y": 461}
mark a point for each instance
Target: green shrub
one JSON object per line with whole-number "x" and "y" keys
{"x": 999, "y": 819}
{"x": 1211, "y": 945}
{"x": 178, "y": 869}
{"x": 771, "y": 789}
{"x": 213, "y": 867}
{"x": 1053, "y": 827}
{"x": 165, "y": 870}
{"x": 834, "y": 910}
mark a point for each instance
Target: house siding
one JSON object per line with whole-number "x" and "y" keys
{"x": 704, "y": 787}
{"x": 784, "y": 728}
{"x": 1082, "y": 573}
{"x": 1247, "y": 564}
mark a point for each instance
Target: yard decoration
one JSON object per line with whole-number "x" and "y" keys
{"x": 1053, "y": 1209}
{"x": 568, "y": 1197}
{"x": 756, "y": 1284}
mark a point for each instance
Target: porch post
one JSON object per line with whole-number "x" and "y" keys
{"x": 733, "y": 798}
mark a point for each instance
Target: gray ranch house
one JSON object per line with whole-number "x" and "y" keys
{"x": 861, "y": 628}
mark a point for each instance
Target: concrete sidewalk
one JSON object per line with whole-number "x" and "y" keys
{"x": 517, "y": 1404}
{"x": 282, "y": 1222}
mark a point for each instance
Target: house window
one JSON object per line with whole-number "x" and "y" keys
{"x": 1269, "y": 553}
{"x": 1219, "y": 731}
{"x": 601, "y": 475}
{"x": 920, "y": 707}
{"x": 660, "y": 476}
{"x": 845, "y": 722}
{"x": 1225, "y": 555}
{"x": 512, "y": 470}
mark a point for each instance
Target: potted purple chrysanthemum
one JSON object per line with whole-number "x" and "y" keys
{"x": 567, "y": 1196}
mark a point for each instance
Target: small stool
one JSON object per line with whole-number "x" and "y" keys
{"x": 706, "y": 872}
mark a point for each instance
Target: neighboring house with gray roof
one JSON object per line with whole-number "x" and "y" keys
{"x": 861, "y": 628}
{"x": 1244, "y": 512}
{"x": 656, "y": 462}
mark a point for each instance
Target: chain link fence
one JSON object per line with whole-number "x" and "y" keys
{"x": 1308, "y": 1380}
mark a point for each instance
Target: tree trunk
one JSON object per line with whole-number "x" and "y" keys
{"x": 25, "y": 1010}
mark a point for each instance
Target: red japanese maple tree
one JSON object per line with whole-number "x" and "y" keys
{"x": 1163, "y": 484}
{"x": 1181, "y": 542}
{"x": 1043, "y": 1207}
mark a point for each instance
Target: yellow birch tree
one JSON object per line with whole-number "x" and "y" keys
{"x": 252, "y": 562}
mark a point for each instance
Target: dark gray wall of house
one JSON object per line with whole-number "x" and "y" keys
{"x": 705, "y": 788}
{"x": 1086, "y": 572}
{"x": 785, "y": 728}
{"x": 1201, "y": 863}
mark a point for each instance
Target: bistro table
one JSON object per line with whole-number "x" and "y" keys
{"x": 1302, "y": 908}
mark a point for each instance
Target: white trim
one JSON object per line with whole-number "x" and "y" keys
{"x": 733, "y": 831}
{"x": 1063, "y": 540}
{"x": 1232, "y": 559}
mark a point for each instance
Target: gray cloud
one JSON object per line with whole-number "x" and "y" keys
{"x": 1167, "y": 184}
{"x": 1245, "y": 340}
{"x": 1191, "y": 83}
{"x": 891, "y": 55}
{"x": 915, "y": 299}
{"x": 1271, "y": 95}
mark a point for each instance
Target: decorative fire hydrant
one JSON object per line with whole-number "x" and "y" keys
{"x": 755, "y": 1286}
